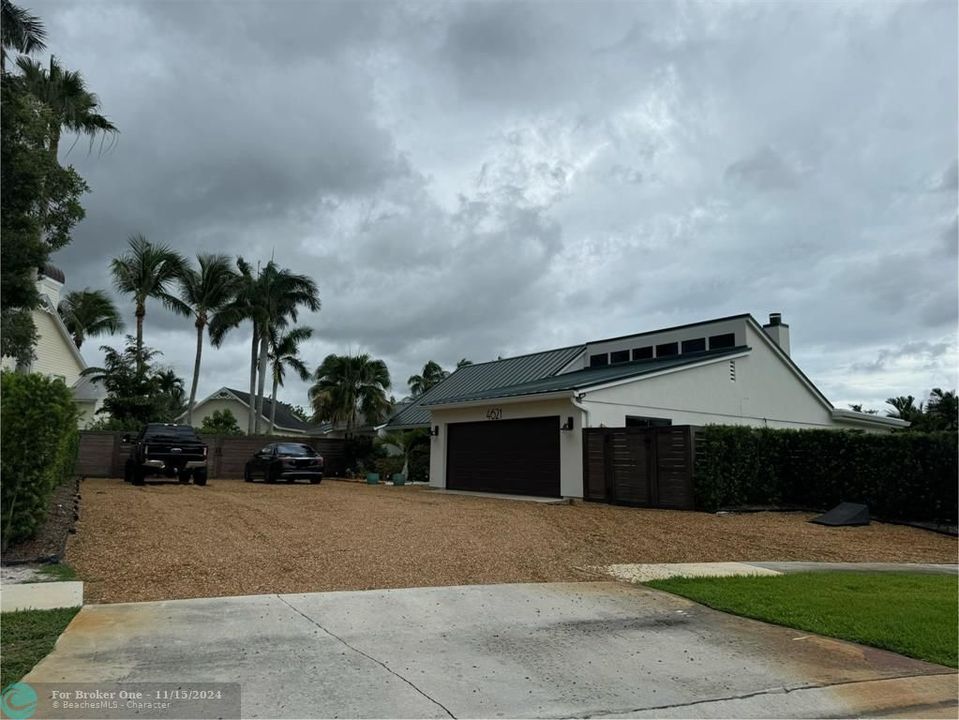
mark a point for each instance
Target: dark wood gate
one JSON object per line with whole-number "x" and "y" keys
{"x": 646, "y": 467}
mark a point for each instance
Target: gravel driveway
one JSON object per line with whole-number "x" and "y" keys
{"x": 169, "y": 541}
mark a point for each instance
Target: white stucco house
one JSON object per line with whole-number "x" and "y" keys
{"x": 55, "y": 354}
{"x": 238, "y": 403}
{"x": 527, "y": 413}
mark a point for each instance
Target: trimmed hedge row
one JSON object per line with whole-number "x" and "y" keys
{"x": 39, "y": 440}
{"x": 900, "y": 476}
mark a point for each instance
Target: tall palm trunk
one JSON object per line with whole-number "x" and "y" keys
{"x": 261, "y": 380}
{"x": 250, "y": 425}
{"x": 140, "y": 313}
{"x": 276, "y": 382}
{"x": 54, "y": 140}
{"x": 200, "y": 322}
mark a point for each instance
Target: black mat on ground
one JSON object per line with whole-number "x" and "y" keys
{"x": 844, "y": 514}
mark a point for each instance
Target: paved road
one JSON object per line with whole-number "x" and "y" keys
{"x": 544, "y": 650}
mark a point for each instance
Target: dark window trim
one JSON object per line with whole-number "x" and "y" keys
{"x": 685, "y": 346}
{"x": 663, "y": 350}
{"x": 613, "y": 357}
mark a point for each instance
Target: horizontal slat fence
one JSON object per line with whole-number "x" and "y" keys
{"x": 103, "y": 453}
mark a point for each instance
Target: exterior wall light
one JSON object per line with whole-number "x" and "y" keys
{"x": 568, "y": 426}
{"x": 435, "y": 431}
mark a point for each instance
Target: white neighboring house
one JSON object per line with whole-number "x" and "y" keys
{"x": 55, "y": 355}
{"x": 527, "y": 413}
{"x": 238, "y": 403}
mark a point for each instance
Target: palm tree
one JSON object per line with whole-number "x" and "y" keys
{"x": 943, "y": 408}
{"x": 72, "y": 106}
{"x": 904, "y": 408}
{"x": 463, "y": 363}
{"x": 270, "y": 299}
{"x": 278, "y": 297}
{"x": 432, "y": 375}
{"x": 238, "y": 310}
{"x": 146, "y": 271}
{"x": 20, "y": 31}
{"x": 206, "y": 291}
{"x": 347, "y": 383}
{"x": 285, "y": 353}
{"x": 89, "y": 313}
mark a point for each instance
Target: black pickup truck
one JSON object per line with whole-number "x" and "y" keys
{"x": 169, "y": 450}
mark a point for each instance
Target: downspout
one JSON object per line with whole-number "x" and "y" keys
{"x": 576, "y": 402}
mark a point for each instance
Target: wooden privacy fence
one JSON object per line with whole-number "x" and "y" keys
{"x": 103, "y": 454}
{"x": 647, "y": 467}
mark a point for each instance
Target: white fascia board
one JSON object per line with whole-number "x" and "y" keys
{"x": 660, "y": 373}
{"x": 509, "y": 400}
{"x": 866, "y": 419}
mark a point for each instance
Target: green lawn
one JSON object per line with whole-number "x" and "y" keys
{"x": 56, "y": 572}
{"x": 907, "y": 613}
{"x": 26, "y": 636}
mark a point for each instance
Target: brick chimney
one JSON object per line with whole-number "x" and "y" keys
{"x": 778, "y": 331}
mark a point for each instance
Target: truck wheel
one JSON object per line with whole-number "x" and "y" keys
{"x": 138, "y": 478}
{"x": 199, "y": 477}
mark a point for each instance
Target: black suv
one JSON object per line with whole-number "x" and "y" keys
{"x": 169, "y": 450}
{"x": 285, "y": 461}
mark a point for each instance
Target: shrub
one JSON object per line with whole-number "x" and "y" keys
{"x": 388, "y": 466}
{"x": 419, "y": 464}
{"x": 899, "y": 475}
{"x": 38, "y": 421}
{"x": 221, "y": 422}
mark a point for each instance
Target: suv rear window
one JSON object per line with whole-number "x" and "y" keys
{"x": 291, "y": 449}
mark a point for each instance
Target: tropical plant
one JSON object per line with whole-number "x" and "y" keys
{"x": 406, "y": 441}
{"x": 284, "y": 353}
{"x": 136, "y": 392}
{"x": 20, "y": 31}
{"x": 270, "y": 299}
{"x": 39, "y": 205}
{"x": 904, "y": 407}
{"x": 221, "y": 422}
{"x": 346, "y": 384}
{"x": 73, "y": 107}
{"x": 942, "y": 409}
{"x": 432, "y": 374}
{"x": 857, "y": 407}
{"x": 463, "y": 363}
{"x": 205, "y": 291}
{"x": 89, "y": 313}
{"x": 148, "y": 271}
{"x": 238, "y": 310}
{"x": 280, "y": 292}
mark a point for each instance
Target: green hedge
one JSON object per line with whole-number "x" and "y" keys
{"x": 909, "y": 476}
{"x": 38, "y": 422}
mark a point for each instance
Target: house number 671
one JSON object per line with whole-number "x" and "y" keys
{"x": 494, "y": 414}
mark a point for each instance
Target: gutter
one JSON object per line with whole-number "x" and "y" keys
{"x": 508, "y": 399}
{"x": 866, "y": 419}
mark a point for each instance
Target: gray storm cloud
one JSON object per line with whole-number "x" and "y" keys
{"x": 481, "y": 179}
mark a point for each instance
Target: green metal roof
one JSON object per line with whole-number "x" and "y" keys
{"x": 472, "y": 379}
{"x": 588, "y": 378}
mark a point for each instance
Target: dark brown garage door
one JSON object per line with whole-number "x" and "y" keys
{"x": 505, "y": 456}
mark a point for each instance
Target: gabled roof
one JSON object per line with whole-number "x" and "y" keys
{"x": 285, "y": 418}
{"x": 592, "y": 377}
{"x": 485, "y": 376}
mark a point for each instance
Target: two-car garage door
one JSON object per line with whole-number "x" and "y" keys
{"x": 506, "y": 456}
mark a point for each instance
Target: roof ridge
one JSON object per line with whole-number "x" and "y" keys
{"x": 524, "y": 355}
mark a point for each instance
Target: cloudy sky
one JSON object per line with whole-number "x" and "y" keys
{"x": 484, "y": 179}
